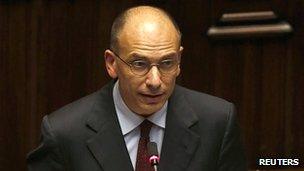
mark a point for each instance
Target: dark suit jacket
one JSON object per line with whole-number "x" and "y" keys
{"x": 201, "y": 135}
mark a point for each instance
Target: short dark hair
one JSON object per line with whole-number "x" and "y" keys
{"x": 121, "y": 20}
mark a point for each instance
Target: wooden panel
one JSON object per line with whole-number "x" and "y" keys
{"x": 229, "y": 6}
{"x": 196, "y": 57}
{"x": 249, "y": 103}
{"x": 296, "y": 73}
{"x": 250, "y": 31}
{"x": 249, "y": 25}
{"x": 270, "y": 90}
{"x": 51, "y": 53}
{"x": 248, "y": 16}
{"x": 14, "y": 104}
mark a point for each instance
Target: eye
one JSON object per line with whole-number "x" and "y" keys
{"x": 167, "y": 63}
{"x": 139, "y": 64}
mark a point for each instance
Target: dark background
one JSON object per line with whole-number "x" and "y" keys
{"x": 51, "y": 53}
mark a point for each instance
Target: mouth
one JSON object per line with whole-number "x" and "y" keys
{"x": 152, "y": 98}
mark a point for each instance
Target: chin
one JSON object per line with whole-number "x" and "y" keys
{"x": 149, "y": 109}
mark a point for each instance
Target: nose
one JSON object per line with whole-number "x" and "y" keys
{"x": 153, "y": 80}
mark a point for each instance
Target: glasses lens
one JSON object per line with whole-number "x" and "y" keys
{"x": 140, "y": 67}
{"x": 168, "y": 66}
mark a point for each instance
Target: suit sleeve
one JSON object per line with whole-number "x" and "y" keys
{"x": 47, "y": 156}
{"x": 232, "y": 156}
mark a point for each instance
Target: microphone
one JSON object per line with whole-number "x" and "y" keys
{"x": 153, "y": 155}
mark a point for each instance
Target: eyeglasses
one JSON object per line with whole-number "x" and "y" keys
{"x": 141, "y": 67}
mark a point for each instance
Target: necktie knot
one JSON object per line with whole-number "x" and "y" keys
{"x": 145, "y": 128}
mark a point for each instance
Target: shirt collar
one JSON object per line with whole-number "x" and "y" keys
{"x": 128, "y": 120}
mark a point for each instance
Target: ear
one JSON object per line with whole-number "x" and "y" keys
{"x": 110, "y": 63}
{"x": 179, "y": 56}
{"x": 181, "y": 50}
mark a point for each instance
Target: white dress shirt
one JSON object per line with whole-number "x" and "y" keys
{"x": 129, "y": 123}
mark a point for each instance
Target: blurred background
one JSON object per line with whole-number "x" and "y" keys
{"x": 248, "y": 52}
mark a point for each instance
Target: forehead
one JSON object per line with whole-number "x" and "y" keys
{"x": 149, "y": 38}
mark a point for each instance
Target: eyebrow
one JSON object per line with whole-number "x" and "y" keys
{"x": 136, "y": 55}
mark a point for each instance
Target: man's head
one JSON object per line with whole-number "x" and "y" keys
{"x": 142, "y": 36}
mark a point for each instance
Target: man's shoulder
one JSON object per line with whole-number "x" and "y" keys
{"x": 200, "y": 101}
{"x": 75, "y": 114}
{"x": 211, "y": 111}
{"x": 79, "y": 106}
{"x": 84, "y": 104}
{"x": 196, "y": 96}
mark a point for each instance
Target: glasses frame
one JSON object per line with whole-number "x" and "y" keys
{"x": 149, "y": 68}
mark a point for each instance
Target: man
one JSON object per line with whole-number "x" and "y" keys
{"x": 104, "y": 131}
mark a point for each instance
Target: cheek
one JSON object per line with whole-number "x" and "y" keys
{"x": 169, "y": 81}
{"x": 131, "y": 84}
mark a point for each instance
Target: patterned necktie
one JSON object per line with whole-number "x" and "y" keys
{"x": 142, "y": 160}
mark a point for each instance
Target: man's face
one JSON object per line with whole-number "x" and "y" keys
{"x": 146, "y": 94}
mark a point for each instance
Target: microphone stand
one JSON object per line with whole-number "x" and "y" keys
{"x": 155, "y": 167}
{"x": 153, "y": 153}
{"x": 154, "y": 162}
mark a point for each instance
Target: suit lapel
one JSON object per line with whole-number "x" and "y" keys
{"x": 180, "y": 143}
{"x": 107, "y": 144}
